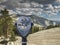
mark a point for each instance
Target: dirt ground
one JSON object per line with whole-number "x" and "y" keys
{"x": 45, "y": 37}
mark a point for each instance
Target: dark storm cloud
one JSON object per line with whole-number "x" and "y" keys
{"x": 38, "y": 1}
{"x": 19, "y": 3}
{"x": 43, "y": 1}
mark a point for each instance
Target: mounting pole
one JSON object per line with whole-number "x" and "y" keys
{"x": 24, "y": 41}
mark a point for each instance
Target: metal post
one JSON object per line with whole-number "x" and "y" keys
{"x": 24, "y": 41}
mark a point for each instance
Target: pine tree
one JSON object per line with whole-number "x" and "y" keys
{"x": 12, "y": 38}
{"x": 6, "y": 24}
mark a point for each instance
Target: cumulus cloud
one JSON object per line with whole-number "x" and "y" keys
{"x": 44, "y": 6}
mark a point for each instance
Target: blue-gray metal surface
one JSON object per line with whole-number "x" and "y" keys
{"x": 24, "y": 25}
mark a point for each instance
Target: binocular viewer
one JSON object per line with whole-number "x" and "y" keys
{"x": 24, "y": 25}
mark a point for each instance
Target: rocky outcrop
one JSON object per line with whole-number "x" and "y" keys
{"x": 46, "y": 37}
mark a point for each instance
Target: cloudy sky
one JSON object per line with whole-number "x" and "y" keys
{"x": 51, "y": 13}
{"x": 37, "y": 1}
{"x": 21, "y": 3}
{"x": 43, "y": 1}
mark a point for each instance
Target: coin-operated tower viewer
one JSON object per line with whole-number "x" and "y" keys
{"x": 24, "y": 25}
